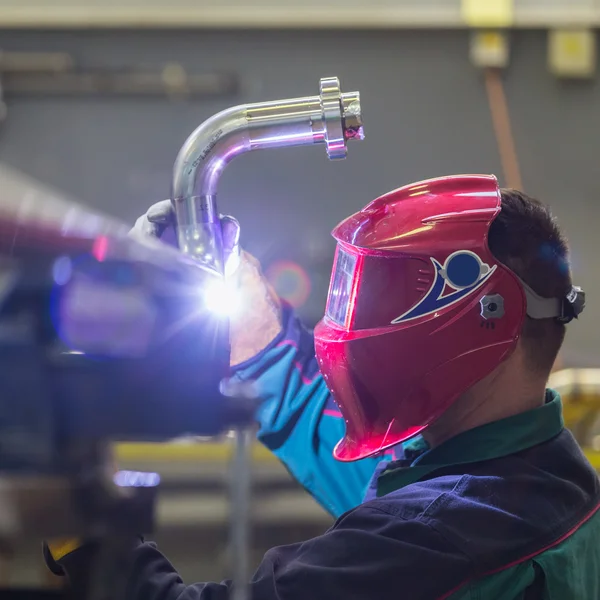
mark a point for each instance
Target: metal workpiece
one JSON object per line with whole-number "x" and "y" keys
{"x": 332, "y": 118}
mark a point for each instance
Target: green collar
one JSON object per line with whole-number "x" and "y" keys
{"x": 493, "y": 440}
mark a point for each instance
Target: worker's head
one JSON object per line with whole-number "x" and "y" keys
{"x": 441, "y": 290}
{"x": 526, "y": 238}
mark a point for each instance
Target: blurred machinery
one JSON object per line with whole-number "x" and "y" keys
{"x": 89, "y": 319}
{"x": 47, "y": 74}
{"x": 580, "y": 391}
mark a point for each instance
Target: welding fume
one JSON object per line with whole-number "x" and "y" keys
{"x": 107, "y": 335}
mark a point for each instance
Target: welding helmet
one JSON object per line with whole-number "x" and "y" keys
{"x": 419, "y": 309}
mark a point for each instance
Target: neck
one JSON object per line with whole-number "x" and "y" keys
{"x": 494, "y": 398}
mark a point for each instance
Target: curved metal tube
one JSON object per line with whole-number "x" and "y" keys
{"x": 331, "y": 118}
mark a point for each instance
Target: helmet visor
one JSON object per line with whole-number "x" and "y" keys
{"x": 370, "y": 291}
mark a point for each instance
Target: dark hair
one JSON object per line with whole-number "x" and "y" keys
{"x": 526, "y": 238}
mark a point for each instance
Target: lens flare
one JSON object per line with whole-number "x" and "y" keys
{"x": 290, "y": 281}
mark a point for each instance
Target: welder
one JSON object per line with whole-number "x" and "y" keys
{"x": 417, "y": 413}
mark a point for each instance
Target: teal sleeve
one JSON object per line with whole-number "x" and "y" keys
{"x": 299, "y": 421}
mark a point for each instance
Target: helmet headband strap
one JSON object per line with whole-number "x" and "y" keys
{"x": 564, "y": 310}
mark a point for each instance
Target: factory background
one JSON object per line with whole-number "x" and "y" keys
{"x": 426, "y": 114}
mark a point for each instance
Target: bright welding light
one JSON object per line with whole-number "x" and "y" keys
{"x": 222, "y": 298}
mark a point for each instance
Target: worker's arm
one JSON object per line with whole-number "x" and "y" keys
{"x": 299, "y": 422}
{"x": 368, "y": 554}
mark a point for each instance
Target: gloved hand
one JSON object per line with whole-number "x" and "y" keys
{"x": 258, "y": 321}
{"x": 159, "y": 221}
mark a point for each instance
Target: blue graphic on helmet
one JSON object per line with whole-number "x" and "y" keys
{"x": 462, "y": 271}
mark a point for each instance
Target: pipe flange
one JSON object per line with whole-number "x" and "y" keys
{"x": 333, "y": 118}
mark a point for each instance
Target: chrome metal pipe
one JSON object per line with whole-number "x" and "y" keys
{"x": 332, "y": 118}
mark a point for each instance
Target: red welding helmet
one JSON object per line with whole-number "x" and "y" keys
{"x": 418, "y": 310}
